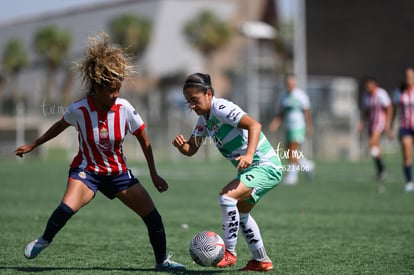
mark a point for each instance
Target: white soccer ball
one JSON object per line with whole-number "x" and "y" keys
{"x": 207, "y": 248}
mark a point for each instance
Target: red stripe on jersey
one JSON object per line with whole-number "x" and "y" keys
{"x": 137, "y": 131}
{"x": 118, "y": 139}
{"x": 90, "y": 165}
{"x": 90, "y": 140}
{"x": 105, "y": 144}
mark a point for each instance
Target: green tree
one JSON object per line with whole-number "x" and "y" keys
{"x": 207, "y": 32}
{"x": 14, "y": 60}
{"x": 52, "y": 45}
{"x": 132, "y": 33}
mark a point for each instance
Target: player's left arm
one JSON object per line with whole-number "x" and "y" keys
{"x": 160, "y": 184}
{"x": 308, "y": 120}
{"x": 254, "y": 129}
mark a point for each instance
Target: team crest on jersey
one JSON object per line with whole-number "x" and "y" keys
{"x": 82, "y": 175}
{"x": 103, "y": 133}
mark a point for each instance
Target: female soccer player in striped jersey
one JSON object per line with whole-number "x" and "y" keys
{"x": 102, "y": 120}
{"x": 403, "y": 100}
{"x": 377, "y": 112}
{"x": 239, "y": 138}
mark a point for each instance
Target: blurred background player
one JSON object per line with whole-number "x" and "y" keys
{"x": 294, "y": 110}
{"x": 403, "y": 100}
{"x": 239, "y": 138}
{"x": 102, "y": 121}
{"x": 377, "y": 113}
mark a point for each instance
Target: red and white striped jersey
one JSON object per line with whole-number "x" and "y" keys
{"x": 405, "y": 100}
{"x": 101, "y": 134}
{"x": 375, "y": 104}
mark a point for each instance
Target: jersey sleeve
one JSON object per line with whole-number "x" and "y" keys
{"x": 200, "y": 129}
{"x": 304, "y": 100}
{"x": 135, "y": 123}
{"x": 385, "y": 99}
{"x": 70, "y": 116}
{"x": 229, "y": 113}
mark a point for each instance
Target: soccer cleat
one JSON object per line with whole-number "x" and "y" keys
{"x": 33, "y": 248}
{"x": 228, "y": 260}
{"x": 169, "y": 265}
{"x": 254, "y": 265}
{"x": 409, "y": 187}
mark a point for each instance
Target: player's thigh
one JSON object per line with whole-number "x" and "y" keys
{"x": 237, "y": 190}
{"x": 137, "y": 199}
{"x": 77, "y": 194}
{"x": 260, "y": 179}
{"x": 407, "y": 146}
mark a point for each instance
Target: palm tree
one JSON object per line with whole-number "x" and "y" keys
{"x": 14, "y": 60}
{"x": 52, "y": 45}
{"x": 132, "y": 33}
{"x": 207, "y": 32}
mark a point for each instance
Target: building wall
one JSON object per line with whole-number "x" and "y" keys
{"x": 358, "y": 38}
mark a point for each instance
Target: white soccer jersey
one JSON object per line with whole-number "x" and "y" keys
{"x": 101, "y": 134}
{"x": 292, "y": 105}
{"x": 231, "y": 141}
{"x": 375, "y": 104}
{"x": 405, "y": 100}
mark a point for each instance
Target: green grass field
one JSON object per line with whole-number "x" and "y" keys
{"x": 342, "y": 222}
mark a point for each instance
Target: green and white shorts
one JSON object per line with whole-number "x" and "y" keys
{"x": 262, "y": 178}
{"x": 296, "y": 135}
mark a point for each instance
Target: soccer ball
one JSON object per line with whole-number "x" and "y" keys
{"x": 207, "y": 248}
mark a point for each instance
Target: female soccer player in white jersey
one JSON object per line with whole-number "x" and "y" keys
{"x": 102, "y": 120}
{"x": 239, "y": 138}
{"x": 377, "y": 113}
{"x": 294, "y": 109}
{"x": 403, "y": 100}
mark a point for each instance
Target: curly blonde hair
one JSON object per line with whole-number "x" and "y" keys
{"x": 103, "y": 63}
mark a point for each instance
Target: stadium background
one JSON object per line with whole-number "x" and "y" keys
{"x": 338, "y": 43}
{"x": 342, "y": 222}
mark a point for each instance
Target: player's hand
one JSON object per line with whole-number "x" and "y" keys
{"x": 24, "y": 149}
{"x": 160, "y": 184}
{"x": 359, "y": 127}
{"x": 274, "y": 125}
{"x": 179, "y": 141}
{"x": 244, "y": 162}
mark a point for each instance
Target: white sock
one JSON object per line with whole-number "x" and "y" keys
{"x": 230, "y": 219}
{"x": 251, "y": 234}
{"x": 306, "y": 164}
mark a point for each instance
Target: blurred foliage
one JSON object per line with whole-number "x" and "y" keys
{"x": 52, "y": 44}
{"x": 15, "y": 57}
{"x": 131, "y": 32}
{"x": 207, "y": 32}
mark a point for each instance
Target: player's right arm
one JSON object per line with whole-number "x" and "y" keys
{"x": 275, "y": 123}
{"x": 52, "y": 132}
{"x": 187, "y": 147}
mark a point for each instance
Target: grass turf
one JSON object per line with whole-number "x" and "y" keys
{"x": 343, "y": 222}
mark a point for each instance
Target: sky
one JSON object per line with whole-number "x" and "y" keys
{"x": 16, "y": 9}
